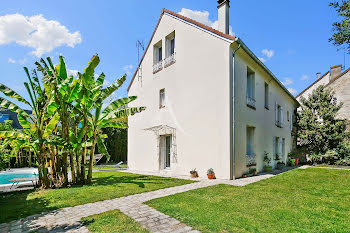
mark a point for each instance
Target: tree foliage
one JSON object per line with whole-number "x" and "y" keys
{"x": 318, "y": 127}
{"x": 60, "y": 105}
{"x": 341, "y": 28}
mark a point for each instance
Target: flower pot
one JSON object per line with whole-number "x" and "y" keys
{"x": 292, "y": 161}
{"x": 268, "y": 168}
{"x": 211, "y": 176}
{"x": 296, "y": 162}
{"x": 280, "y": 166}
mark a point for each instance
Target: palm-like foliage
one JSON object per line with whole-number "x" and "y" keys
{"x": 60, "y": 104}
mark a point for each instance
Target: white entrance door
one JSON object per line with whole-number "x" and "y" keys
{"x": 167, "y": 151}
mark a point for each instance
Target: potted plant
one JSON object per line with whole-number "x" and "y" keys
{"x": 292, "y": 162}
{"x": 253, "y": 171}
{"x": 281, "y": 165}
{"x": 277, "y": 157}
{"x": 194, "y": 173}
{"x": 211, "y": 174}
{"x": 267, "y": 161}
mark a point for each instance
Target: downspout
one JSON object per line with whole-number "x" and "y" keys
{"x": 232, "y": 113}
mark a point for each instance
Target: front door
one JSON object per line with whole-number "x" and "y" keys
{"x": 167, "y": 151}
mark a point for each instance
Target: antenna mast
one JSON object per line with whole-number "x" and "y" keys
{"x": 139, "y": 45}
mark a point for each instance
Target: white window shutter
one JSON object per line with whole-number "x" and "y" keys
{"x": 274, "y": 147}
{"x": 280, "y": 147}
{"x": 291, "y": 120}
{"x": 276, "y": 113}
{"x": 282, "y": 116}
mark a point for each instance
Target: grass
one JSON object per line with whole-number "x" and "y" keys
{"x": 106, "y": 185}
{"x": 112, "y": 221}
{"x": 109, "y": 166}
{"x": 311, "y": 200}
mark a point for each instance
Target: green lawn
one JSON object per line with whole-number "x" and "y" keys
{"x": 109, "y": 166}
{"x": 112, "y": 221}
{"x": 311, "y": 200}
{"x": 106, "y": 185}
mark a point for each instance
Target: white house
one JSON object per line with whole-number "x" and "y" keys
{"x": 211, "y": 103}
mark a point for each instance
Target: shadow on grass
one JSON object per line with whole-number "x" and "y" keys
{"x": 105, "y": 186}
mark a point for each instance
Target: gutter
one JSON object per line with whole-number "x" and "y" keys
{"x": 232, "y": 115}
{"x": 257, "y": 60}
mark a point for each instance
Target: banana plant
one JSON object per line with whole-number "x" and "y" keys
{"x": 36, "y": 127}
{"x": 91, "y": 97}
{"x": 64, "y": 92}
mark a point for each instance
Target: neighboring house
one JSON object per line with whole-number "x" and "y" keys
{"x": 8, "y": 115}
{"x": 211, "y": 103}
{"x": 339, "y": 82}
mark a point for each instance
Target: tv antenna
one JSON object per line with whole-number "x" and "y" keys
{"x": 139, "y": 45}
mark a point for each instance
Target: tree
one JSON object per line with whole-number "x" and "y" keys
{"x": 60, "y": 105}
{"x": 317, "y": 125}
{"x": 341, "y": 28}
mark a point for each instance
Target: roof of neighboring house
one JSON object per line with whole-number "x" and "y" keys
{"x": 212, "y": 30}
{"x": 312, "y": 84}
{"x": 336, "y": 78}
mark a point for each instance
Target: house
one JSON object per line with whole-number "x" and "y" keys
{"x": 211, "y": 103}
{"x": 9, "y": 115}
{"x": 339, "y": 82}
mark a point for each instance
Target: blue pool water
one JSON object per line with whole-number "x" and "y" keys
{"x": 6, "y": 176}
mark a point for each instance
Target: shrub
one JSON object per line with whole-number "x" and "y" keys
{"x": 299, "y": 153}
{"x": 343, "y": 162}
{"x": 343, "y": 149}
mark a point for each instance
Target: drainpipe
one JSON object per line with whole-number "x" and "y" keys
{"x": 232, "y": 114}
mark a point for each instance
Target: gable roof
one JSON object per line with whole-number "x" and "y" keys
{"x": 216, "y": 32}
{"x": 210, "y": 29}
{"x": 339, "y": 76}
{"x": 312, "y": 84}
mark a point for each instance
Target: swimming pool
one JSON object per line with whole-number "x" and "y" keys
{"x": 8, "y": 175}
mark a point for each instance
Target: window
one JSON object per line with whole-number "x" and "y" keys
{"x": 279, "y": 117}
{"x": 172, "y": 46}
{"x": 250, "y": 88}
{"x": 170, "y": 50}
{"x": 288, "y": 116}
{"x": 276, "y": 151}
{"x": 266, "y": 96}
{"x": 250, "y": 141}
{"x": 157, "y": 57}
{"x": 162, "y": 98}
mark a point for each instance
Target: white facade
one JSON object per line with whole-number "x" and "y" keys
{"x": 204, "y": 117}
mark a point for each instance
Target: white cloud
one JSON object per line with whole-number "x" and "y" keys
{"x": 263, "y": 60}
{"x": 72, "y": 72}
{"x": 106, "y": 83}
{"x": 36, "y": 32}
{"x": 202, "y": 17}
{"x": 127, "y": 69}
{"x": 292, "y": 91}
{"x": 22, "y": 61}
{"x": 287, "y": 81}
{"x": 11, "y": 61}
{"x": 304, "y": 77}
{"x": 268, "y": 53}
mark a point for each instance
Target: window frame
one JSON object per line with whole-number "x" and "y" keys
{"x": 266, "y": 96}
{"x": 162, "y": 98}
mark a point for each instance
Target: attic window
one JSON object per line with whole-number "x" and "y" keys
{"x": 170, "y": 50}
{"x": 157, "y": 57}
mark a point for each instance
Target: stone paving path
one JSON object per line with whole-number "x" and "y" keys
{"x": 69, "y": 219}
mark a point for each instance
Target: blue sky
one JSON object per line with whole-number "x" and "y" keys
{"x": 290, "y": 36}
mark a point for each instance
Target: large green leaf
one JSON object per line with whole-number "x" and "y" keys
{"x": 112, "y": 88}
{"x": 89, "y": 72}
{"x": 102, "y": 148}
{"x": 12, "y": 107}
{"x": 51, "y": 125}
{"x": 117, "y": 104}
{"x": 61, "y": 69}
{"x": 11, "y": 93}
{"x": 124, "y": 112}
